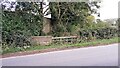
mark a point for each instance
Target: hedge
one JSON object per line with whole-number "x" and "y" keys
{"x": 100, "y": 33}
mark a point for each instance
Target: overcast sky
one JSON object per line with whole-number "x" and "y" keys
{"x": 109, "y": 9}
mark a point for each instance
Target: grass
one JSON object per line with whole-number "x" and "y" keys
{"x": 82, "y": 44}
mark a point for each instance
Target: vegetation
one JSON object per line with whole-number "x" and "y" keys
{"x": 19, "y": 25}
{"x": 67, "y": 19}
{"x": 118, "y": 24}
{"x": 58, "y": 46}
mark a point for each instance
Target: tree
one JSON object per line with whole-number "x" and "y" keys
{"x": 67, "y": 14}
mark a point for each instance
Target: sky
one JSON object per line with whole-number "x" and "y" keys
{"x": 109, "y": 9}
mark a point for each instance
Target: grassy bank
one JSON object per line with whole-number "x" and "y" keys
{"x": 82, "y": 44}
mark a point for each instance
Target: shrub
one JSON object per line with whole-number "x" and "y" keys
{"x": 101, "y": 33}
{"x": 18, "y": 27}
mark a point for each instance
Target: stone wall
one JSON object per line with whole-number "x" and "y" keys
{"x": 46, "y": 25}
{"x": 42, "y": 40}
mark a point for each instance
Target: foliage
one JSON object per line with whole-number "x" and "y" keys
{"x": 99, "y": 33}
{"x": 19, "y": 26}
{"x": 118, "y": 24}
{"x": 67, "y": 14}
{"x": 67, "y": 19}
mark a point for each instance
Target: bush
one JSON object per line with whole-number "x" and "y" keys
{"x": 101, "y": 33}
{"x": 18, "y": 27}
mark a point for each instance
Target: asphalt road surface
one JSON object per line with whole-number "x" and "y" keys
{"x": 90, "y": 56}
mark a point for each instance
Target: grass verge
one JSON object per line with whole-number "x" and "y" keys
{"x": 58, "y": 46}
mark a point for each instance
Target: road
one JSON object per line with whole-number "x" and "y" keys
{"x": 90, "y": 56}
